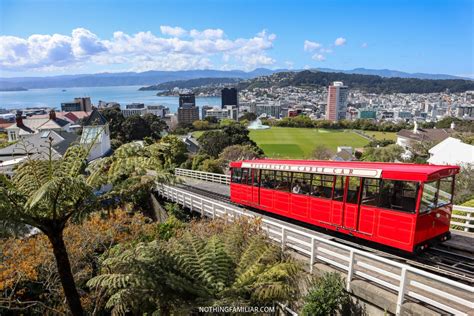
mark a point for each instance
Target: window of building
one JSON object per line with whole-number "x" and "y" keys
{"x": 321, "y": 186}
{"x": 236, "y": 175}
{"x": 301, "y": 183}
{"x": 12, "y": 136}
{"x": 267, "y": 179}
{"x": 283, "y": 181}
{"x": 371, "y": 192}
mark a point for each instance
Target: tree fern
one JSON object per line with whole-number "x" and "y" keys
{"x": 201, "y": 269}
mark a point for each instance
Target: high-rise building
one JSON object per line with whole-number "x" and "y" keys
{"x": 188, "y": 112}
{"x": 229, "y": 97}
{"x": 337, "y": 102}
{"x": 79, "y": 104}
{"x": 204, "y": 110}
{"x": 272, "y": 109}
{"x": 187, "y": 99}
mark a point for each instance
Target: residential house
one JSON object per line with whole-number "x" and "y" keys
{"x": 53, "y": 132}
{"x": 35, "y": 146}
{"x": 27, "y": 126}
{"x": 452, "y": 151}
{"x": 407, "y": 138}
{"x": 95, "y": 133}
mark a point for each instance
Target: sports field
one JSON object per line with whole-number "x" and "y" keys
{"x": 381, "y": 135}
{"x": 288, "y": 142}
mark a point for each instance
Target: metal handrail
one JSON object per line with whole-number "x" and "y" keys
{"x": 406, "y": 281}
{"x": 458, "y": 222}
{"x": 202, "y": 175}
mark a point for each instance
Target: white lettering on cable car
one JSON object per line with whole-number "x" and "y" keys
{"x": 356, "y": 172}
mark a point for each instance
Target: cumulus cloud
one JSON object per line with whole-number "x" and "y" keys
{"x": 85, "y": 43}
{"x": 318, "y": 57}
{"x": 310, "y": 46}
{"x": 140, "y": 51}
{"x": 172, "y": 30}
{"x": 210, "y": 34}
{"x": 340, "y": 41}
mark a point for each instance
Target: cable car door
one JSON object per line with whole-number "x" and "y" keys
{"x": 350, "y": 214}
{"x": 255, "y": 186}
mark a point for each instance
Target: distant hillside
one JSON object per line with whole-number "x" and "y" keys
{"x": 191, "y": 83}
{"x": 388, "y": 73}
{"x": 156, "y": 77}
{"x": 367, "y": 83}
{"x": 13, "y": 89}
{"x": 125, "y": 78}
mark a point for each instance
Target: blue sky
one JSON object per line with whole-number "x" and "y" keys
{"x": 65, "y": 37}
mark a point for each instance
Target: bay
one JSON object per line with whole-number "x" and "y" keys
{"x": 52, "y": 97}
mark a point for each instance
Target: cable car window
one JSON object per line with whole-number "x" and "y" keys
{"x": 236, "y": 175}
{"x": 353, "y": 190}
{"x": 282, "y": 179}
{"x": 321, "y": 186}
{"x": 245, "y": 176}
{"x": 301, "y": 183}
{"x": 429, "y": 196}
{"x": 268, "y": 179}
{"x": 339, "y": 188}
{"x": 436, "y": 194}
{"x": 371, "y": 192}
{"x": 255, "y": 177}
{"x": 445, "y": 193}
{"x": 398, "y": 195}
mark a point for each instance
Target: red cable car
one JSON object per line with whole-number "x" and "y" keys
{"x": 404, "y": 206}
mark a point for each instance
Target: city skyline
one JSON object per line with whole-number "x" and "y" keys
{"x": 87, "y": 37}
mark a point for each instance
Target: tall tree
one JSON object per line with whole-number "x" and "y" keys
{"x": 115, "y": 119}
{"x": 322, "y": 152}
{"x": 135, "y": 128}
{"x": 390, "y": 153}
{"x": 46, "y": 194}
{"x": 155, "y": 124}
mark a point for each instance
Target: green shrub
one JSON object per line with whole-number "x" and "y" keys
{"x": 168, "y": 229}
{"x": 327, "y": 296}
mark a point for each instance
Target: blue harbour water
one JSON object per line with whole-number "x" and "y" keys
{"x": 53, "y": 97}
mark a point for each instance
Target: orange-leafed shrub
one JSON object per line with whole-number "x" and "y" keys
{"x": 28, "y": 275}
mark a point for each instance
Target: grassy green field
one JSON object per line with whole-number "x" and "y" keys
{"x": 196, "y": 134}
{"x": 288, "y": 142}
{"x": 381, "y": 135}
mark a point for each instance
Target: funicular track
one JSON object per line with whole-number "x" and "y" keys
{"x": 440, "y": 260}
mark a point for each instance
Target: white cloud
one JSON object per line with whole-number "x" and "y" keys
{"x": 318, "y": 57}
{"x": 172, "y": 30}
{"x": 325, "y": 50}
{"x": 311, "y": 46}
{"x": 340, "y": 41}
{"x": 364, "y": 45}
{"x": 86, "y": 43}
{"x": 210, "y": 34}
{"x": 140, "y": 51}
